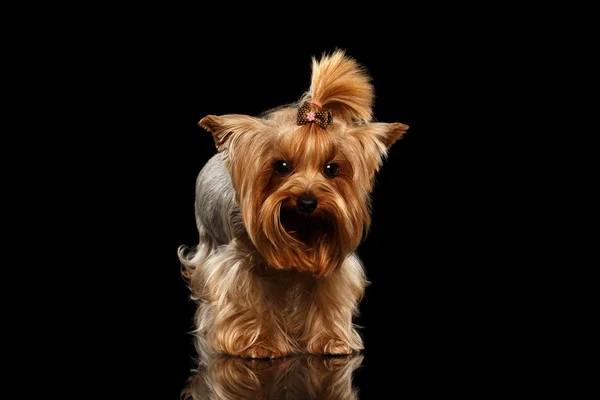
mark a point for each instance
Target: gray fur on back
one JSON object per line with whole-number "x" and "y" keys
{"x": 215, "y": 200}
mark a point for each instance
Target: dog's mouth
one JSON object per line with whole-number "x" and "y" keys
{"x": 309, "y": 229}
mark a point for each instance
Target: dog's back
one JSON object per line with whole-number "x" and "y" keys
{"x": 215, "y": 201}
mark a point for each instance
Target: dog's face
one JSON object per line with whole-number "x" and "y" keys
{"x": 303, "y": 191}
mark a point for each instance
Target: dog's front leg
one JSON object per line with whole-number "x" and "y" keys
{"x": 329, "y": 328}
{"x": 246, "y": 331}
{"x": 239, "y": 317}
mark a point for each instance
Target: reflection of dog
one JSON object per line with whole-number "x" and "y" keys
{"x": 297, "y": 377}
{"x": 280, "y": 211}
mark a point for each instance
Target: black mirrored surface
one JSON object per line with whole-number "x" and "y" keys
{"x": 291, "y": 378}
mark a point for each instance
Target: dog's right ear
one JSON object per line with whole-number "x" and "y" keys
{"x": 215, "y": 125}
{"x": 227, "y": 129}
{"x": 211, "y": 123}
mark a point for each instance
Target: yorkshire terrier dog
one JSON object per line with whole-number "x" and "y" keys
{"x": 281, "y": 209}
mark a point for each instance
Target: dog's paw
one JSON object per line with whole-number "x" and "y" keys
{"x": 337, "y": 347}
{"x": 260, "y": 352}
{"x": 330, "y": 346}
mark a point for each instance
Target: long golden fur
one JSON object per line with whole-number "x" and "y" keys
{"x": 269, "y": 280}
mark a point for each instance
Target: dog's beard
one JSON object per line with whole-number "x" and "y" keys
{"x": 317, "y": 243}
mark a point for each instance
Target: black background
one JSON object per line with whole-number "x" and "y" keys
{"x": 466, "y": 257}
{"x": 430, "y": 315}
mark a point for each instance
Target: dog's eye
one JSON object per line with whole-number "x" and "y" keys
{"x": 331, "y": 170}
{"x": 282, "y": 167}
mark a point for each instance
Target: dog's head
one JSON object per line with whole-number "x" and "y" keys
{"x": 303, "y": 173}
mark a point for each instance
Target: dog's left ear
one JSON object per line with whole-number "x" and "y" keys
{"x": 391, "y": 132}
{"x": 379, "y": 135}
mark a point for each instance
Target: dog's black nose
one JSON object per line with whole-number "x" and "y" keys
{"x": 306, "y": 203}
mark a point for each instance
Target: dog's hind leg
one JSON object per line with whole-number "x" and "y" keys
{"x": 215, "y": 211}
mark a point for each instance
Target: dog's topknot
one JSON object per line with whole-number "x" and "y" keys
{"x": 341, "y": 85}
